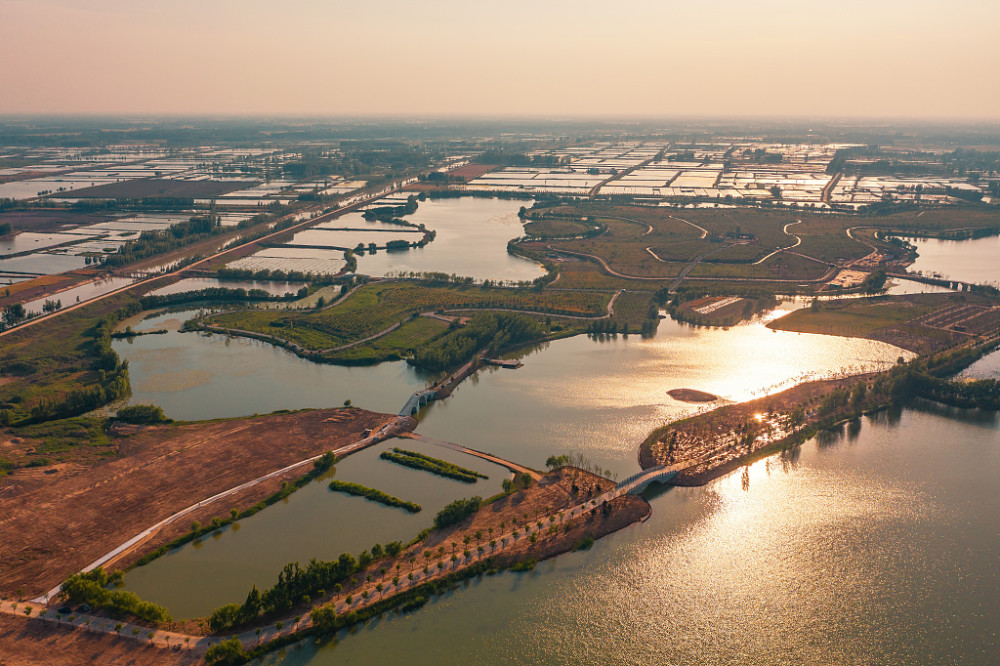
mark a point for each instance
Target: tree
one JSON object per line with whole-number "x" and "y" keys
{"x": 13, "y": 315}
{"x": 226, "y": 652}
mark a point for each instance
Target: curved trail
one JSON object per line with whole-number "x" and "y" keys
{"x": 607, "y": 268}
{"x": 703, "y": 230}
{"x": 798, "y": 241}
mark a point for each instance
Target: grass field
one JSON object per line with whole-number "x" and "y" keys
{"x": 48, "y": 360}
{"x": 554, "y": 228}
{"x": 395, "y": 344}
{"x": 892, "y": 319}
{"x": 375, "y": 307}
{"x": 852, "y": 318}
{"x": 782, "y": 266}
{"x": 580, "y": 274}
{"x": 672, "y": 235}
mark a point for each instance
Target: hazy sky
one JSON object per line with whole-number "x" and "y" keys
{"x": 870, "y": 58}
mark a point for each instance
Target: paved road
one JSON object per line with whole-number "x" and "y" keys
{"x": 354, "y": 202}
{"x": 379, "y": 434}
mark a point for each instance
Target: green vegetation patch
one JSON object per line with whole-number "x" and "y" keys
{"x": 63, "y": 366}
{"x": 855, "y": 317}
{"x": 91, "y": 588}
{"x": 375, "y": 307}
{"x": 457, "y": 511}
{"x": 374, "y": 495}
{"x": 433, "y": 465}
{"x": 396, "y": 344}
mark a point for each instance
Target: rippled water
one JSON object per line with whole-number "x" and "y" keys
{"x": 878, "y": 546}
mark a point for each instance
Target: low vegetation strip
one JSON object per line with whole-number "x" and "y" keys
{"x": 432, "y": 465}
{"x": 374, "y": 495}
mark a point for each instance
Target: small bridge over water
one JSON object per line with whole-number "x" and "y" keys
{"x": 636, "y": 483}
{"x": 416, "y": 401}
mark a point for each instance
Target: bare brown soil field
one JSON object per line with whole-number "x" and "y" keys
{"x": 55, "y": 524}
{"x": 50, "y": 219}
{"x": 153, "y": 187}
{"x": 714, "y": 431}
{"x": 25, "y": 642}
{"x": 470, "y": 171}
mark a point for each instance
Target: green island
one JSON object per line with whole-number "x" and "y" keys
{"x": 373, "y": 494}
{"x": 432, "y": 465}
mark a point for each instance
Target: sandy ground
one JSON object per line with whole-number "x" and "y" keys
{"x": 55, "y": 524}
{"x": 34, "y": 643}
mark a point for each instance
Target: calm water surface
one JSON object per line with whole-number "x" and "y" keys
{"x": 603, "y": 397}
{"x": 197, "y": 376}
{"x": 313, "y": 522}
{"x": 968, "y": 260}
{"x": 878, "y": 546}
{"x": 471, "y": 241}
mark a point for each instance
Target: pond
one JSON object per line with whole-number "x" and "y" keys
{"x": 313, "y": 522}
{"x": 967, "y": 260}
{"x": 471, "y": 241}
{"x": 200, "y": 376}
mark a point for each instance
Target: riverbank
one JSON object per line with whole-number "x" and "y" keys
{"x": 567, "y": 509}
{"x": 716, "y": 442}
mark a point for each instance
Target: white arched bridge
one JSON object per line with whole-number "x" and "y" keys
{"x": 416, "y": 401}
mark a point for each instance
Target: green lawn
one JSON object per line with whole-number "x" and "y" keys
{"x": 377, "y": 306}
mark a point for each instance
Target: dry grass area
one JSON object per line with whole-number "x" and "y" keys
{"x": 917, "y": 322}
{"x": 33, "y": 642}
{"x": 57, "y": 523}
